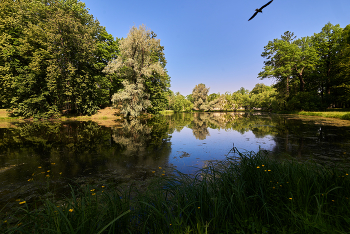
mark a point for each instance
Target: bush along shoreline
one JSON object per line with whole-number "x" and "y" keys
{"x": 251, "y": 193}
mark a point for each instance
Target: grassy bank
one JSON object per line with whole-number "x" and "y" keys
{"x": 328, "y": 114}
{"x": 258, "y": 195}
{"x": 331, "y": 113}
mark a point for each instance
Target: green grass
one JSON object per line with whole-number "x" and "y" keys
{"x": 328, "y": 114}
{"x": 252, "y": 195}
{"x": 166, "y": 112}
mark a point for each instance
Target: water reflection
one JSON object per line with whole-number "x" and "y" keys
{"x": 85, "y": 152}
{"x": 33, "y": 154}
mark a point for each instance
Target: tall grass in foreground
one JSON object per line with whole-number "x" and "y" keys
{"x": 254, "y": 195}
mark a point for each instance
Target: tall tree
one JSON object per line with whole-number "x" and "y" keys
{"x": 289, "y": 61}
{"x": 200, "y": 95}
{"x": 47, "y": 57}
{"x": 328, "y": 47}
{"x": 343, "y": 79}
{"x": 137, "y": 63}
{"x": 276, "y": 64}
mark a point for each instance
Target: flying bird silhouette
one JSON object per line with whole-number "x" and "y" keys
{"x": 260, "y": 10}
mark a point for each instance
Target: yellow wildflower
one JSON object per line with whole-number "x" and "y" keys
{"x": 23, "y": 202}
{"x": 268, "y": 170}
{"x": 160, "y": 168}
{"x": 153, "y": 171}
{"x": 60, "y": 173}
{"x": 39, "y": 167}
{"x": 92, "y": 190}
{"x": 102, "y": 186}
{"x": 163, "y": 174}
{"x": 290, "y": 198}
{"x": 70, "y": 210}
{"x": 273, "y": 187}
{"x": 48, "y": 171}
{"x": 199, "y": 207}
{"x": 53, "y": 163}
{"x": 257, "y": 167}
{"x": 263, "y": 165}
{"x": 93, "y": 194}
{"x": 5, "y": 221}
{"x": 47, "y": 175}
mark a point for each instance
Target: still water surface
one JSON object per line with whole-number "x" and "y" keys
{"x": 35, "y": 155}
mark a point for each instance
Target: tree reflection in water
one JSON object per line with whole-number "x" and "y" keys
{"x": 133, "y": 136}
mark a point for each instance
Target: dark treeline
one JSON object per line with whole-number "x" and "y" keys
{"x": 54, "y": 57}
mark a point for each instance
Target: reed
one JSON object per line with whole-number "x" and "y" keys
{"x": 254, "y": 194}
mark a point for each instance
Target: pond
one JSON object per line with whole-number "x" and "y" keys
{"x": 37, "y": 157}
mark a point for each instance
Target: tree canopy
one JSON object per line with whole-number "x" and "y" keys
{"x": 51, "y": 55}
{"x": 141, "y": 62}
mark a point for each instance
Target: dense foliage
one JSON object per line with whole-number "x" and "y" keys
{"x": 53, "y": 55}
{"x": 311, "y": 73}
{"x": 51, "y": 58}
{"x": 142, "y": 63}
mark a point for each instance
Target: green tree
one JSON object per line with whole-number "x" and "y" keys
{"x": 108, "y": 84}
{"x": 342, "y": 87}
{"x": 48, "y": 52}
{"x": 329, "y": 50}
{"x": 200, "y": 95}
{"x": 138, "y": 62}
{"x": 288, "y": 60}
{"x": 181, "y": 104}
{"x": 263, "y": 96}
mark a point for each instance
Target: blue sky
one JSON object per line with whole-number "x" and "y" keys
{"x": 211, "y": 41}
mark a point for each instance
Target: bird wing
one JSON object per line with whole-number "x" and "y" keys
{"x": 253, "y": 15}
{"x": 266, "y": 5}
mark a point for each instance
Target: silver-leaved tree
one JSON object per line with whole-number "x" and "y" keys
{"x": 136, "y": 64}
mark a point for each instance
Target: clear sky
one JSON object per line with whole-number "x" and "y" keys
{"x": 211, "y": 41}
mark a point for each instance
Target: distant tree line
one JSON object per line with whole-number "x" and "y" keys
{"x": 310, "y": 73}
{"x": 261, "y": 97}
{"x": 55, "y": 58}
